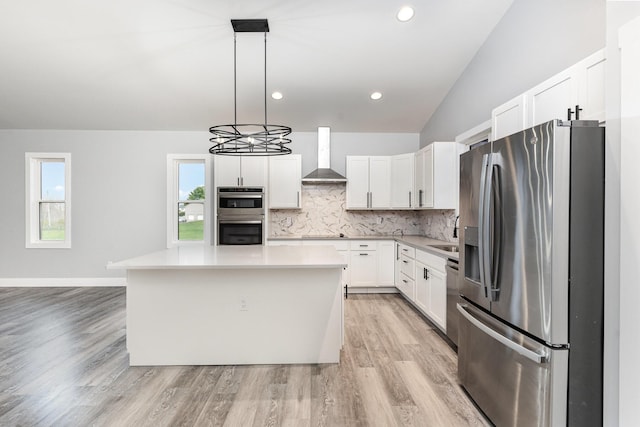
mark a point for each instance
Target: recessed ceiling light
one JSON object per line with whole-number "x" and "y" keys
{"x": 276, "y": 95}
{"x": 405, "y": 13}
{"x": 376, "y": 95}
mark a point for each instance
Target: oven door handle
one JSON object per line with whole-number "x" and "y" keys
{"x": 239, "y": 221}
{"x": 239, "y": 196}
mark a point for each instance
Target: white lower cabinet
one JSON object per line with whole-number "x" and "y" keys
{"x": 370, "y": 263}
{"x": 405, "y": 271}
{"x": 431, "y": 287}
{"x": 363, "y": 263}
{"x": 421, "y": 278}
{"x": 363, "y": 269}
{"x": 386, "y": 262}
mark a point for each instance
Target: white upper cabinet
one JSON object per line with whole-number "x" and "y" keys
{"x": 380, "y": 181}
{"x": 285, "y": 174}
{"x": 510, "y": 117}
{"x": 436, "y": 168}
{"x": 254, "y": 171}
{"x": 368, "y": 182}
{"x": 553, "y": 98}
{"x": 231, "y": 171}
{"x": 591, "y": 88}
{"x": 575, "y": 93}
{"x": 357, "y": 182}
{"x": 402, "y": 181}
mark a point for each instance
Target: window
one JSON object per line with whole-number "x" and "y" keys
{"x": 48, "y": 200}
{"x": 188, "y": 205}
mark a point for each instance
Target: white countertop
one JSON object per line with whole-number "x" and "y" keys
{"x": 418, "y": 242}
{"x": 234, "y": 257}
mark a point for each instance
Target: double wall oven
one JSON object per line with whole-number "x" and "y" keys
{"x": 240, "y": 216}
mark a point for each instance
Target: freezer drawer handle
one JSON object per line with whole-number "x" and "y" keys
{"x": 531, "y": 355}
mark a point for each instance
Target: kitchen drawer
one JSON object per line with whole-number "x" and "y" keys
{"x": 433, "y": 261}
{"x": 407, "y": 286}
{"x": 407, "y": 266}
{"x": 407, "y": 250}
{"x": 363, "y": 245}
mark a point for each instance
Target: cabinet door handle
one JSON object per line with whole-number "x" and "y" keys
{"x": 420, "y": 198}
{"x": 298, "y": 201}
{"x": 409, "y": 198}
{"x": 397, "y": 252}
{"x": 570, "y": 112}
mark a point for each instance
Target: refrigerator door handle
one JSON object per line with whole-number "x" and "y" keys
{"x": 495, "y": 224}
{"x": 483, "y": 223}
{"x": 531, "y": 355}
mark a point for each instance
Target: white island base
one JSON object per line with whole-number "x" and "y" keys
{"x": 273, "y": 305}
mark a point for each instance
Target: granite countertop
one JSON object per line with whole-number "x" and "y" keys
{"x": 418, "y": 242}
{"x": 235, "y": 257}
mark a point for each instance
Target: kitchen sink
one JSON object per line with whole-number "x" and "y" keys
{"x": 447, "y": 248}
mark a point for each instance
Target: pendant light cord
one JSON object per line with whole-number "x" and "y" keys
{"x": 235, "y": 84}
{"x": 265, "y": 80}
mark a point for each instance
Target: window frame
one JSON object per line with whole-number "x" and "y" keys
{"x": 33, "y": 199}
{"x": 173, "y": 163}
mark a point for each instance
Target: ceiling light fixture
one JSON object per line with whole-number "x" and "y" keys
{"x": 276, "y": 95}
{"x": 376, "y": 96}
{"x": 405, "y": 13}
{"x": 249, "y": 139}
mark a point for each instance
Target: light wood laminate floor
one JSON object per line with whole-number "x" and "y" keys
{"x": 63, "y": 362}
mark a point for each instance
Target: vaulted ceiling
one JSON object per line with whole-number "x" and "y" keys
{"x": 168, "y": 64}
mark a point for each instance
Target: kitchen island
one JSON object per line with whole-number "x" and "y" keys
{"x": 230, "y": 305}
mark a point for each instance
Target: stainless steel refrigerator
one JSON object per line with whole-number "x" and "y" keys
{"x": 531, "y": 282}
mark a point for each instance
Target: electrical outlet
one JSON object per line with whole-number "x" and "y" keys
{"x": 379, "y": 220}
{"x": 428, "y": 220}
{"x": 288, "y": 221}
{"x": 243, "y": 304}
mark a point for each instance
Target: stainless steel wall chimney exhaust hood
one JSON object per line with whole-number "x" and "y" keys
{"x": 324, "y": 174}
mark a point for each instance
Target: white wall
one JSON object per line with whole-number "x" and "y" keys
{"x": 622, "y": 340}
{"x": 533, "y": 41}
{"x": 119, "y": 192}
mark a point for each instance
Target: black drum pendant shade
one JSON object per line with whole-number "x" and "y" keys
{"x": 250, "y": 139}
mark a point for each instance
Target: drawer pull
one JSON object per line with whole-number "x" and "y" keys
{"x": 364, "y": 246}
{"x": 364, "y": 254}
{"x": 404, "y": 281}
{"x": 406, "y": 262}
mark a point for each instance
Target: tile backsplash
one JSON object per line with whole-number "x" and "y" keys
{"x": 323, "y": 213}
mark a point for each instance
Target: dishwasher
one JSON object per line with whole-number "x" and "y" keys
{"x": 452, "y": 298}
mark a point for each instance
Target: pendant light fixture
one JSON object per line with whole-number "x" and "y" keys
{"x": 250, "y": 139}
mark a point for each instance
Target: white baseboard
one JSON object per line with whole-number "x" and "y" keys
{"x": 54, "y": 282}
{"x": 372, "y": 290}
